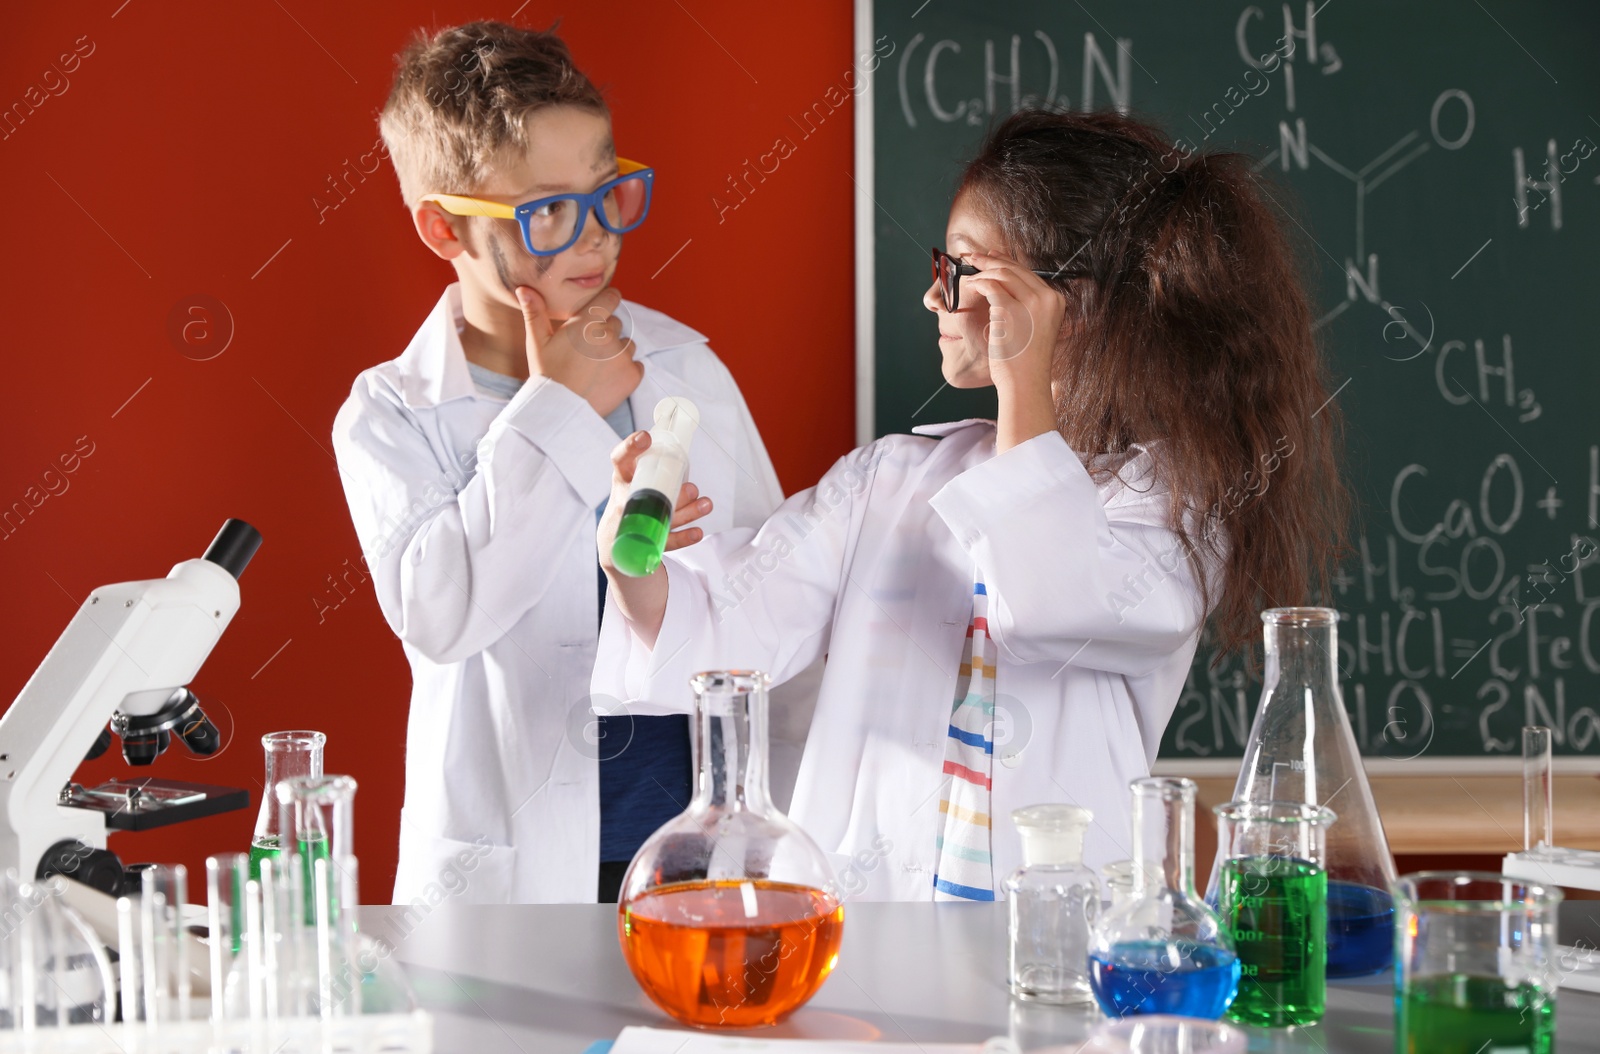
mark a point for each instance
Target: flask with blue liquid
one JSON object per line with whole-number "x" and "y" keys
{"x": 1161, "y": 950}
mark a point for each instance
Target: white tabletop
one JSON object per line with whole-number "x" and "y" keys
{"x": 550, "y": 979}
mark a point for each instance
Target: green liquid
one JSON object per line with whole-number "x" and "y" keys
{"x": 1276, "y": 910}
{"x": 312, "y": 850}
{"x": 263, "y": 849}
{"x": 1461, "y": 1014}
{"x": 642, "y": 534}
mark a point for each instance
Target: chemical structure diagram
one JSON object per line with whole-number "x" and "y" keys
{"x": 1297, "y": 151}
{"x": 1452, "y": 120}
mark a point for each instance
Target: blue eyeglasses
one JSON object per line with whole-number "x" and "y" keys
{"x": 553, "y": 225}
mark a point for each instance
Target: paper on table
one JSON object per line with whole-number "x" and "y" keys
{"x": 668, "y": 1041}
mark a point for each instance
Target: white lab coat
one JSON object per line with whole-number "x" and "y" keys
{"x": 875, "y": 566}
{"x": 477, "y": 519}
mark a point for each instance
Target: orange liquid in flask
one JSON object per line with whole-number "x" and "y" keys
{"x": 731, "y": 954}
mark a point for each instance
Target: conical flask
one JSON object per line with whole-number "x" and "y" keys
{"x": 728, "y": 917}
{"x": 288, "y": 754}
{"x": 1301, "y": 749}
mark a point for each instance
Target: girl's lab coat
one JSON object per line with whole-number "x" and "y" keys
{"x": 477, "y": 519}
{"x": 1093, "y": 606}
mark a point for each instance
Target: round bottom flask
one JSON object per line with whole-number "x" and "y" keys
{"x": 727, "y": 916}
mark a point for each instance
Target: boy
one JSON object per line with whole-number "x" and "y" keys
{"x": 475, "y": 465}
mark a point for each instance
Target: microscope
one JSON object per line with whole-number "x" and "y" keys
{"x": 121, "y": 667}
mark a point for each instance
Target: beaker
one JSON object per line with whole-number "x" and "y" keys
{"x": 728, "y": 916}
{"x": 1053, "y": 901}
{"x": 1274, "y": 903}
{"x": 1163, "y": 951}
{"x": 1301, "y": 749}
{"x": 1476, "y": 967}
{"x": 54, "y": 970}
{"x": 288, "y": 754}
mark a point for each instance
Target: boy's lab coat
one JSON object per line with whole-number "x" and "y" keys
{"x": 1093, "y": 606}
{"x": 477, "y": 519}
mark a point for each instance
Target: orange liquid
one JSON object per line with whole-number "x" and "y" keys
{"x": 703, "y": 959}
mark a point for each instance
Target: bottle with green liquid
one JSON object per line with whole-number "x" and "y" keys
{"x": 289, "y": 754}
{"x": 659, "y": 475}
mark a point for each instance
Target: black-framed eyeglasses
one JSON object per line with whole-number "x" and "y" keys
{"x": 948, "y": 271}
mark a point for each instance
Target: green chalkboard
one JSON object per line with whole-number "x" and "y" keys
{"x": 1443, "y": 159}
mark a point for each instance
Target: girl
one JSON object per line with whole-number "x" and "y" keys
{"x": 1009, "y": 608}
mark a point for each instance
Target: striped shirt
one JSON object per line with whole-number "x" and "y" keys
{"x": 965, "y": 869}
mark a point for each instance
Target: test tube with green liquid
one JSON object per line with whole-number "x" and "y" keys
{"x": 1274, "y": 903}
{"x": 659, "y": 475}
{"x": 316, "y": 821}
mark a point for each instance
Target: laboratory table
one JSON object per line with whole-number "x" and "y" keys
{"x": 550, "y": 979}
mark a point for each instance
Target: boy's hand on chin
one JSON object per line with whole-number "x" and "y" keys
{"x": 587, "y": 353}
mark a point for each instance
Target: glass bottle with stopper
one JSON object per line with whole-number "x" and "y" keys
{"x": 657, "y": 479}
{"x": 289, "y": 754}
{"x": 727, "y": 915}
{"x": 1162, "y": 950}
{"x": 1301, "y": 749}
{"x": 1053, "y": 901}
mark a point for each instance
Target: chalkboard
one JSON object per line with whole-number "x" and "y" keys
{"x": 1443, "y": 159}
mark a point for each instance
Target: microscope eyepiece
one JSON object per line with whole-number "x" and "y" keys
{"x": 233, "y": 547}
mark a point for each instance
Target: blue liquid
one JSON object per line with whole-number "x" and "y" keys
{"x": 1135, "y": 978}
{"x": 1360, "y": 930}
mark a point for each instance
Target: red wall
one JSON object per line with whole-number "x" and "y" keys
{"x": 194, "y": 142}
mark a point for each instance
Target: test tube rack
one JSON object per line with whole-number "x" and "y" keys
{"x": 1575, "y": 869}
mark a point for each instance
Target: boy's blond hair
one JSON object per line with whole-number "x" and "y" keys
{"x": 462, "y": 96}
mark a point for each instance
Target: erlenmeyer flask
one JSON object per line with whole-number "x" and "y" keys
{"x": 289, "y": 754}
{"x": 1301, "y": 749}
{"x": 727, "y": 915}
{"x": 1162, "y": 950}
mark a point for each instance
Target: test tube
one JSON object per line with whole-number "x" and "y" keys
{"x": 1538, "y": 789}
{"x": 226, "y": 875}
{"x": 647, "y": 517}
{"x": 317, "y": 825}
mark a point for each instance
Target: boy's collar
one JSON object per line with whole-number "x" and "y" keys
{"x": 433, "y": 368}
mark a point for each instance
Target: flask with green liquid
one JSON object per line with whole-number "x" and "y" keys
{"x": 647, "y": 517}
{"x": 289, "y": 754}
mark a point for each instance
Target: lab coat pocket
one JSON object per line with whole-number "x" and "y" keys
{"x": 434, "y": 869}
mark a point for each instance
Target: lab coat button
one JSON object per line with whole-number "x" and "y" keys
{"x": 1011, "y": 761}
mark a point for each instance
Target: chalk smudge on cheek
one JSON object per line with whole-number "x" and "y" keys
{"x": 502, "y": 266}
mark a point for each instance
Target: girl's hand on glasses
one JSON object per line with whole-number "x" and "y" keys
{"x": 1025, "y": 319}
{"x": 587, "y": 353}
{"x": 1025, "y": 316}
